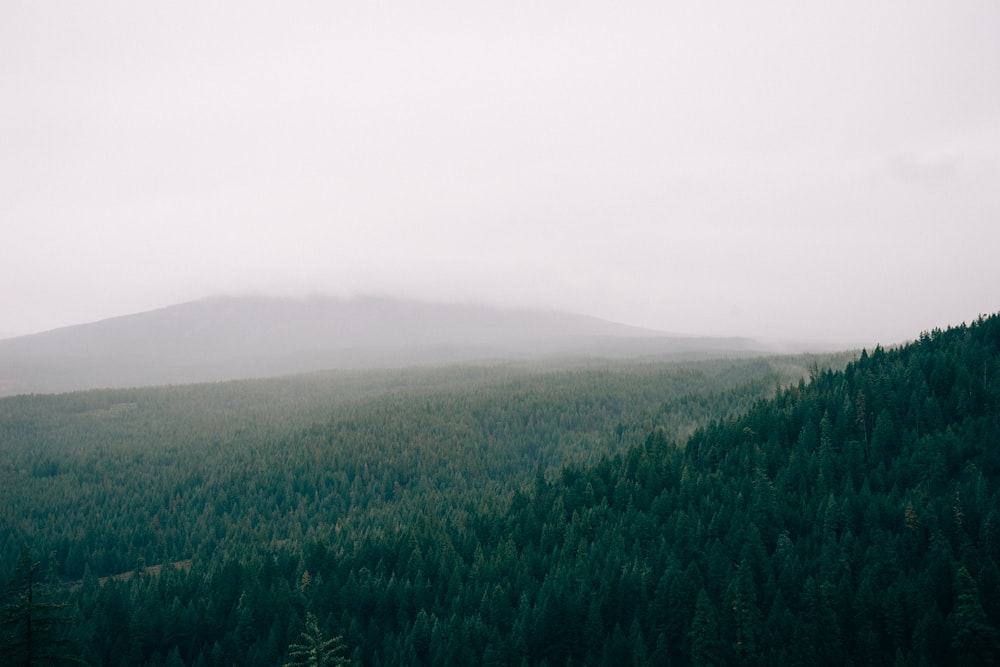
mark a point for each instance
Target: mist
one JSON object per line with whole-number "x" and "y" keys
{"x": 779, "y": 172}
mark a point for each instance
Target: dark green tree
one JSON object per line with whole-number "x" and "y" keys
{"x": 34, "y": 628}
{"x": 974, "y": 640}
{"x": 746, "y": 616}
{"x": 705, "y": 645}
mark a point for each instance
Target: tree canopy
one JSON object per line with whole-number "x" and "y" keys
{"x": 726, "y": 513}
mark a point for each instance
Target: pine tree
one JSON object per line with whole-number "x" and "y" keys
{"x": 974, "y": 640}
{"x": 705, "y": 645}
{"x": 33, "y": 628}
{"x": 314, "y": 650}
{"x": 746, "y": 616}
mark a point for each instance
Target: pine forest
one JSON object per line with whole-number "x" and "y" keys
{"x": 788, "y": 510}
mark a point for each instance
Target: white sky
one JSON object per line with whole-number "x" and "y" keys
{"x": 826, "y": 171}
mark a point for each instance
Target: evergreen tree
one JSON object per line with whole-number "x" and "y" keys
{"x": 974, "y": 640}
{"x": 315, "y": 650}
{"x": 33, "y": 627}
{"x": 705, "y": 645}
{"x": 746, "y": 616}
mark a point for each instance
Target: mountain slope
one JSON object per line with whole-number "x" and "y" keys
{"x": 237, "y": 337}
{"x": 853, "y": 519}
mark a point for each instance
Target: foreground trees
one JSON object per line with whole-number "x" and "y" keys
{"x": 34, "y": 629}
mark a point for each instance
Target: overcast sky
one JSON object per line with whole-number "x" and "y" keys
{"x": 825, "y": 171}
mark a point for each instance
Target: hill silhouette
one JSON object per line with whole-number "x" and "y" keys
{"x": 227, "y": 338}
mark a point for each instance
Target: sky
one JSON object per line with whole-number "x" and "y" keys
{"x": 781, "y": 170}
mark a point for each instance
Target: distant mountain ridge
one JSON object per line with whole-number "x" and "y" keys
{"x": 224, "y": 338}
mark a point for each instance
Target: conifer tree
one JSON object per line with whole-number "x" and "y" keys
{"x": 315, "y": 650}
{"x": 705, "y": 645}
{"x": 33, "y": 627}
{"x": 974, "y": 640}
{"x": 746, "y": 616}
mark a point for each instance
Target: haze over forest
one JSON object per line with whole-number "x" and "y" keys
{"x": 447, "y": 333}
{"x": 235, "y": 338}
{"x": 820, "y": 173}
{"x": 796, "y": 510}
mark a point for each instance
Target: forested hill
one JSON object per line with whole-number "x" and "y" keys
{"x": 853, "y": 518}
{"x": 227, "y": 338}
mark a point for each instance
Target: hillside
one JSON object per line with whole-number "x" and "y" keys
{"x": 243, "y": 337}
{"x": 99, "y": 481}
{"x": 512, "y": 517}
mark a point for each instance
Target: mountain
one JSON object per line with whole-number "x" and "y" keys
{"x": 238, "y": 337}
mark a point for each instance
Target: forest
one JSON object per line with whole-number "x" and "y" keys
{"x": 770, "y": 511}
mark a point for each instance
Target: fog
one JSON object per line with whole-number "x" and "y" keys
{"x": 785, "y": 171}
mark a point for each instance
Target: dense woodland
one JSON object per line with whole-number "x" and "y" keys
{"x": 648, "y": 514}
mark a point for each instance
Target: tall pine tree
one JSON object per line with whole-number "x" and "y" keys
{"x": 34, "y": 629}
{"x": 314, "y": 649}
